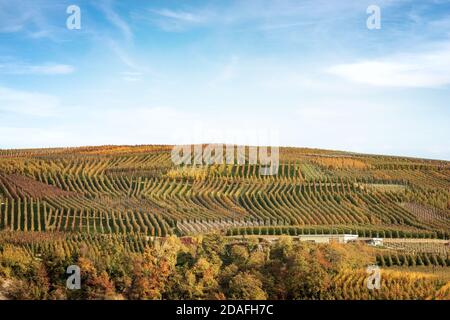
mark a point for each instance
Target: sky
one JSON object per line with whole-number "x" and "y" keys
{"x": 284, "y": 72}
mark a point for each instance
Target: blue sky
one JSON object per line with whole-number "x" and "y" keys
{"x": 293, "y": 73}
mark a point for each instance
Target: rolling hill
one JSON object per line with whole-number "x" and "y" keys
{"x": 137, "y": 189}
{"x": 140, "y": 227}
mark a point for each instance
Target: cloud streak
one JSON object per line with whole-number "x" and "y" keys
{"x": 28, "y": 103}
{"x": 115, "y": 19}
{"x": 428, "y": 69}
{"x": 179, "y": 20}
{"x": 45, "y": 69}
{"x": 179, "y": 15}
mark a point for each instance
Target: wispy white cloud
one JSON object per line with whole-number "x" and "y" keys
{"x": 45, "y": 69}
{"x": 11, "y": 28}
{"x": 122, "y": 54}
{"x": 116, "y": 20}
{"x": 262, "y": 15}
{"x": 426, "y": 69}
{"x": 180, "y": 15}
{"x": 28, "y": 103}
{"x": 135, "y": 70}
{"x": 180, "y": 20}
{"x": 31, "y": 18}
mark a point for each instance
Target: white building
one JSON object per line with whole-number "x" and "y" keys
{"x": 327, "y": 238}
{"x": 375, "y": 241}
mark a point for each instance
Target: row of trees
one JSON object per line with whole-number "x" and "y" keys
{"x": 412, "y": 260}
{"x": 394, "y": 285}
{"x": 362, "y": 231}
{"x": 209, "y": 267}
{"x": 34, "y": 215}
{"x": 300, "y": 195}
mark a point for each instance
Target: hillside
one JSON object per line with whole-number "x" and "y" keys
{"x": 125, "y": 189}
{"x": 140, "y": 227}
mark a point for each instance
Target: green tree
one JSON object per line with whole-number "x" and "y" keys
{"x": 246, "y": 286}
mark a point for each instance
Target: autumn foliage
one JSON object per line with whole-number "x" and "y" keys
{"x": 209, "y": 267}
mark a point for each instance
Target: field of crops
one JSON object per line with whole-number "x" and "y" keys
{"x": 395, "y": 285}
{"x": 137, "y": 190}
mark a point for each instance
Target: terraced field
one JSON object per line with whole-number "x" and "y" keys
{"x": 137, "y": 190}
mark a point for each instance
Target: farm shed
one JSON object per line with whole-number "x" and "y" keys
{"x": 327, "y": 238}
